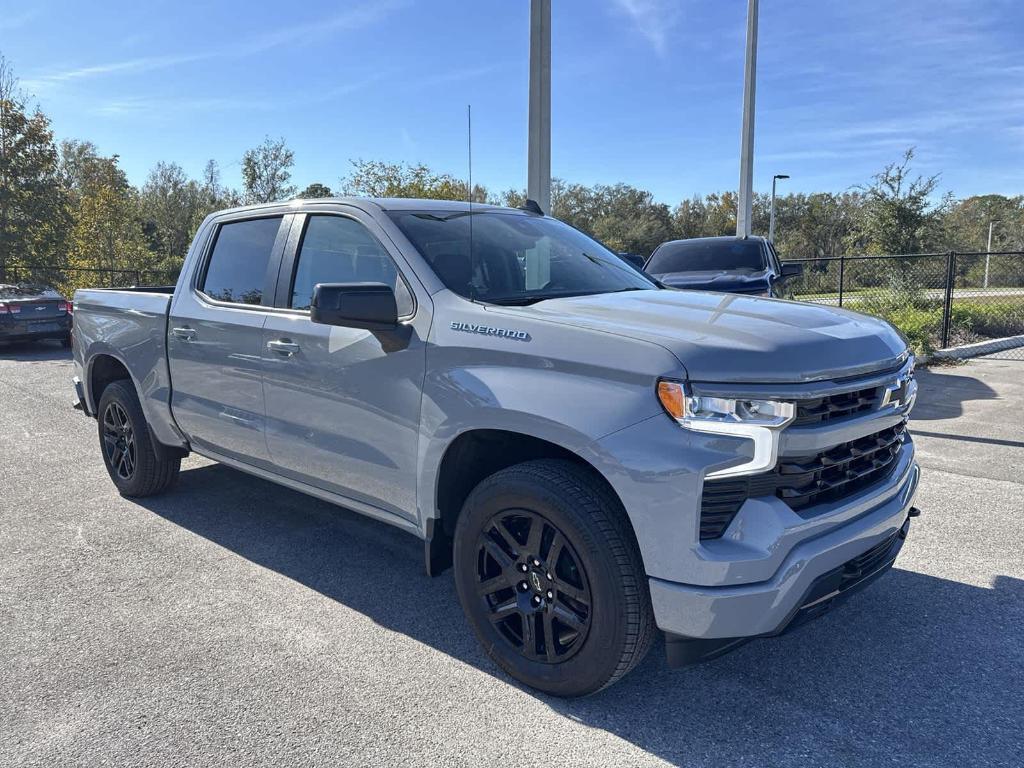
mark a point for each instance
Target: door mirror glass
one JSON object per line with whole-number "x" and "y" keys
{"x": 355, "y": 305}
{"x": 792, "y": 270}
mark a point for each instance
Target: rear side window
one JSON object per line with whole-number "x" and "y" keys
{"x": 237, "y": 269}
{"x": 336, "y": 249}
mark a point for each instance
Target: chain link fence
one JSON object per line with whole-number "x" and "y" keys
{"x": 938, "y": 300}
{"x": 67, "y": 280}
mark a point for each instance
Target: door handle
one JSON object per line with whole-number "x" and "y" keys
{"x": 185, "y": 334}
{"x": 286, "y": 348}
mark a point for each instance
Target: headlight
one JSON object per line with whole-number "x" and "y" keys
{"x": 757, "y": 420}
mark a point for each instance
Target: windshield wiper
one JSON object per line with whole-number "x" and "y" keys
{"x": 523, "y": 300}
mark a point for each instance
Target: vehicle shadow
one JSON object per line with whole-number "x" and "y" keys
{"x": 34, "y": 351}
{"x": 942, "y": 394}
{"x": 916, "y": 669}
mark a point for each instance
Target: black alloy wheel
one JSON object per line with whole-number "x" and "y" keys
{"x": 533, "y": 586}
{"x": 550, "y": 577}
{"x": 129, "y": 451}
{"x": 119, "y": 441}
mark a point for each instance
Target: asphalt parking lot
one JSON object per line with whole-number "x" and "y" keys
{"x": 233, "y": 622}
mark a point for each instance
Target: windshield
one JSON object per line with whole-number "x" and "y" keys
{"x": 22, "y": 290}
{"x": 707, "y": 255}
{"x": 516, "y": 259}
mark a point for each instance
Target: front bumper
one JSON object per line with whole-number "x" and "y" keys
{"x": 728, "y": 615}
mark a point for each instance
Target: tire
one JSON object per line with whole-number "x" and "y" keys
{"x": 584, "y": 618}
{"x": 126, "y": 446}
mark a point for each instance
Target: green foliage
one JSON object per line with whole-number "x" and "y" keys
{"x": 33, "y": 211}
{"x": 314, "y": 191}
{"x": 266, "y": 172}
{"x": 107, "y": 224}
{"x": 967, "y": 222}
{"x": 898, "y": 215}
{"x": 174, "y": 206}
{"x": 376, "y": 178}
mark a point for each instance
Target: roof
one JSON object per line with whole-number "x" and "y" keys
{"x": 718, "y": 239}
{"x": 386, "y": 204}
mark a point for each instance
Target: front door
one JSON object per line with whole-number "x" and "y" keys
{"x": 343, "y": 404}
{"x": 215, "y": 340}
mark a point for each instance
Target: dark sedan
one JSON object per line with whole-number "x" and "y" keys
{"x": 32, "y": 313}
{"x": 735, "y": 265}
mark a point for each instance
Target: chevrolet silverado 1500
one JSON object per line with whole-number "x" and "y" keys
{"x": 595, "y": 455}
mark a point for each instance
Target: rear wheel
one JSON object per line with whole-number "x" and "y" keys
{"x": 128, "y": 452}
{"x": 550, "y": 578}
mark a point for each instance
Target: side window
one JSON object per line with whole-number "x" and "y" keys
{"x": 336, "y": 249}
{"x": 237, "y": 268}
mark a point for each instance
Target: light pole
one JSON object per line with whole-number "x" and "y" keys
{"x": 538, "y": 155}
{"x": 771, "y": 214}
{"x": 988, "y": 248}
{"x": 745, "y": 203}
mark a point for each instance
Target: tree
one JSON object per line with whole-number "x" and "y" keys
{"x": 967, "y": 221}
{"x": 818, "y": 225}
{"x": 315, "y": 190}
{"x": 710, "y": 216}
{"x": 215, "y": 196}
{"x": 33, "y": 212}
{"x": 107, "y": 226}
{"x": 376, "y": 178}
{"x": 898, "y": 214}
{"x": 622, "y": 217}
{"x": 174, "y": 206}
{"x": 266, "y": 172}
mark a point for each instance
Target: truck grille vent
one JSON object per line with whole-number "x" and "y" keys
{"x": 803, "y": 481}
{"x": 838, "y": 406}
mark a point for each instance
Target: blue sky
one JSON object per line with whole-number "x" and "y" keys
{"x": 643, "y": 91}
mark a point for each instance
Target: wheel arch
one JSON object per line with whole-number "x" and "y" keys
{"x": 104, "y": 368}
{"x": 476, "y": 454}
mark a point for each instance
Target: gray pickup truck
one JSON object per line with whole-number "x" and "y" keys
{"x": 595, "y": 455}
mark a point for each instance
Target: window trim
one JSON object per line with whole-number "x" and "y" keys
{"x": 273, "y": 263}
{"x": 293, "y": 250}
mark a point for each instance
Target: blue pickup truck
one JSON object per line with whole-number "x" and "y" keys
{"x": 596, "y": 457}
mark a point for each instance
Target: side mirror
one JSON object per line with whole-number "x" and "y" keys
{"x": 635, "y": 259}
{"x": 355, "y": 305}
{"x": 791, "y": 270}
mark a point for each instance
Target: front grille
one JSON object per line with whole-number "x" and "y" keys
{"x": 832, "y": 407}
{"x": 804, "y": 481}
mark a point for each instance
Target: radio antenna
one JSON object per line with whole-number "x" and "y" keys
{"x": 469, "y": 197}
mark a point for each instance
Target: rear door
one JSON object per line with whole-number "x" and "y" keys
{"x": 215, "y": 334}
{"x": 343, "y": 404}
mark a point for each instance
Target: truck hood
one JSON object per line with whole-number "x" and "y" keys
{"x": 741, "y": 281}
{"x": 723, "y": 337}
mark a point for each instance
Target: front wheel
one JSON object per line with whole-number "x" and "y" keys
{"x": 551, "y": 580}
{"x": 128, "y": 452}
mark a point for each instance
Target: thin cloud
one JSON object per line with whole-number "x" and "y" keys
{"x": 349, "y": 19}
{"x": 654, "y": 19}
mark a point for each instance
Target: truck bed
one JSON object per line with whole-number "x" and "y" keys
{"x": 130, "y": 326}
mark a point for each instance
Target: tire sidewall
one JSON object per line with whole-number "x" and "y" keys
{"x": 594, "y": 664}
